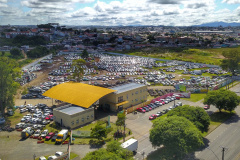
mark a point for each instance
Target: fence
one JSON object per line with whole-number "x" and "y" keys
{"x": 133, "y": 108}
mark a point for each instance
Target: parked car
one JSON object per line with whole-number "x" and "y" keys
{"x": 42, "y": 158}
{"x": 159, "y": 114}
{"x": 141, "y": 110}
{"x": 206, "y": 107}
{"x": 58, "y": 153}
{"x": 52, "y": 157}
{"x": 44, "y": 133}
{"x": 179, "y": 103}
{"x": 53, "y": 139}
{"x": 36, "y": 134}
{"x": 153, "y": 116}
{"x": 2, "y": 120}
{"x": 49, "y": 136}
{"x": 146, "y": 109}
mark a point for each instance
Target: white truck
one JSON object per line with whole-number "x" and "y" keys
{"x": 62, "y": 136}
{"x": 131, "y": 145}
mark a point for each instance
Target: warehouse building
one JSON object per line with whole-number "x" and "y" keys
{"x": 125, "y": 96}
{"x": 81, "y": 98}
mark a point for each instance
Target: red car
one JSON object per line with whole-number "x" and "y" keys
{"x": 206, "y": 107}
{"x": 152, "y": 117}
{"x": 141, "y": 110}
{"x": 50, "y": 135}
{"x": 161, "y": 101}
{"x": 48, "y": 117}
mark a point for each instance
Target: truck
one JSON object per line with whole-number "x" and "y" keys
{"x": 131, "y": 145}
{"x": 27, "y": 132}
{"x": 61, "y": 136}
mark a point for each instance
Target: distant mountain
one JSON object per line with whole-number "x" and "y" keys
{"x": 217, "y": 24}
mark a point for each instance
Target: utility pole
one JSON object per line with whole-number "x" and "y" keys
{"x": 223, "y": 150}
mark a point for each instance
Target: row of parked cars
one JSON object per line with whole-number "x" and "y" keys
{"x": 57, "y": 155}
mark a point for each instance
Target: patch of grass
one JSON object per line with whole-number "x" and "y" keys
{"x": 216, "y": 119}
{"x": 15, "y": 119}
{"x": 195, "y": 97}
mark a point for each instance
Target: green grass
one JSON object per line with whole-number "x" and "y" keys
{"x": 195, "y": 97}
{"x": 216, "y": 119}
{"x": 15, "y": 119}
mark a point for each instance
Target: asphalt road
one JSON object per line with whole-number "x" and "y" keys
{"x": 35, "y": 62}
{"x": 225, "y": 136}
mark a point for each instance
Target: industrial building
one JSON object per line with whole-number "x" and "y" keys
{"x": 82, "y": 99}
{"x": 125, "y": 96}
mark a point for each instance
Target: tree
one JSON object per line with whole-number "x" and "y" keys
{"x": 15, "y": 52}
{"x": 115, "y": 147}
{"x": 99, "y": 132}
{"x": 101, "y": 154}
{"x": 222, "y": 99}
{"x": 8, "y": 87}
{"x": 231, "y": 61}
{"x": 177, "y": 134}
{"x": 38, "y": 52}
{"x": 85, "y": 54}
{"x": 120, "y": 119}
{"x": 197, "y": 115}
{"x": 77, "y": 68}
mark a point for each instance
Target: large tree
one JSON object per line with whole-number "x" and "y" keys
{"x": 222, "y": 99}
{"x": 99, "y": 132}
{"x": 77, "y": 68}
{"x": 177, "y": 134}
{"x": 121, "y": 119}
{"x": 197, "y": 115}
{"x": 101, "y": 154}
{"x": 8, "y": 87}
{"x": 15, "y": 52}
{"x": 85, "y": 54}
{"x": 231, "y": 61}
{"x": 38, "y": 52}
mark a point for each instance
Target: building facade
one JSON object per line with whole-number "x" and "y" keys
{"x": 125, "y": 96}
{"x": 71, "y": 116}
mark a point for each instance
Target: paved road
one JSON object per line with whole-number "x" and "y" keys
{"x": 226, "y": 135}
{"x": 36, "y": 62}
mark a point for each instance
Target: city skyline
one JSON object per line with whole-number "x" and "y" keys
{"x": 121, "y": 12}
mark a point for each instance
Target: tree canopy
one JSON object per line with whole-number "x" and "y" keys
{"x": 113, "y": 152}
{"x": 25, "y": 40}
{"x": 77, "y": 68}
{"x": 99, "y": 132}
{"x": 222, "y": 99}
{"x": 8, "y": 87}
{"x": 85, "y": 54}
{"x": 120, "y": 119}
{"x": 16, "y": 53}
{"x": 177, "y": 134}
{"x": 231, "y": 61}
{"x": 197, "y": 115}
{"x": 38, "y": 52}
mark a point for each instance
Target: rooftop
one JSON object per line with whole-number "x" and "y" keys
{"x": 72, "y": 110}
{"x": 127, "y": 87}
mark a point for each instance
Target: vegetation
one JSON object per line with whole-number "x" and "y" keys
{"x": 195, "y": 97}
{"x": 99, "y": 132}
{"x": 38, "y": 52}
{"x": 113, "y": 152}
{"x": 231, "y": 61}
{"x": 222, "y": 99}
{"x": 20, "y": 40}
{"x": 8, "y": 87}
{"x": 120, "y": 119}
{"x": 85, "y": 54}
{"x": 197, "y": 115}
{"x": 177, "y": 134}
{"x": 78, "y": 71}
{"x": 16, "y": 53}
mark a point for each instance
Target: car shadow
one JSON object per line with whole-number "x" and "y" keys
{"x": 23, "y": 139}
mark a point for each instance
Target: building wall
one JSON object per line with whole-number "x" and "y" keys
{"x": 134, "y": 97}
{"x": 75, "y": 120}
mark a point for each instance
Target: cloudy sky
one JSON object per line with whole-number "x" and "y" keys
{"x": 118, "y": 12}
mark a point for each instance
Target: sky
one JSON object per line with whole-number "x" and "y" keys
{"x": 118, "y": 12}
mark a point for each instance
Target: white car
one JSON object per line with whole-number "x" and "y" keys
{"x": 58, "y": 153}
{"x": 52, "y": 157}
{"x": 44, "y": 133}
{"x": 37, "y": 133}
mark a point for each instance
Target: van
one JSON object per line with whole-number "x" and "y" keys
{"x": 61, "y": 136}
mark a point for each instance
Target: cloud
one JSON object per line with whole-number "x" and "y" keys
{"x": 196, "y": 5}
{"x": 167, "y": 1}
{"x": 231, "y": 1}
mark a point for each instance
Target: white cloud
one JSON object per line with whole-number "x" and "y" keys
{"x": 231, "y": 1}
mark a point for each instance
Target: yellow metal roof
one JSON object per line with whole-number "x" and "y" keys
{"x": 124, "y": 102}
{"x": 80, "y": 94}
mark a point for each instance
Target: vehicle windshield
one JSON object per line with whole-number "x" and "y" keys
{"x": 59, "y": 137}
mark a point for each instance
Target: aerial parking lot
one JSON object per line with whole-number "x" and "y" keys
{"x": 36, "y": 111}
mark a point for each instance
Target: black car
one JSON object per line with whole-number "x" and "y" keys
{"x": 54, "y": 138}
{"x": 146, "y": 109}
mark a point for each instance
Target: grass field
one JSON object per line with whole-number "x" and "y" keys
{"x": 195, "y": 97}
